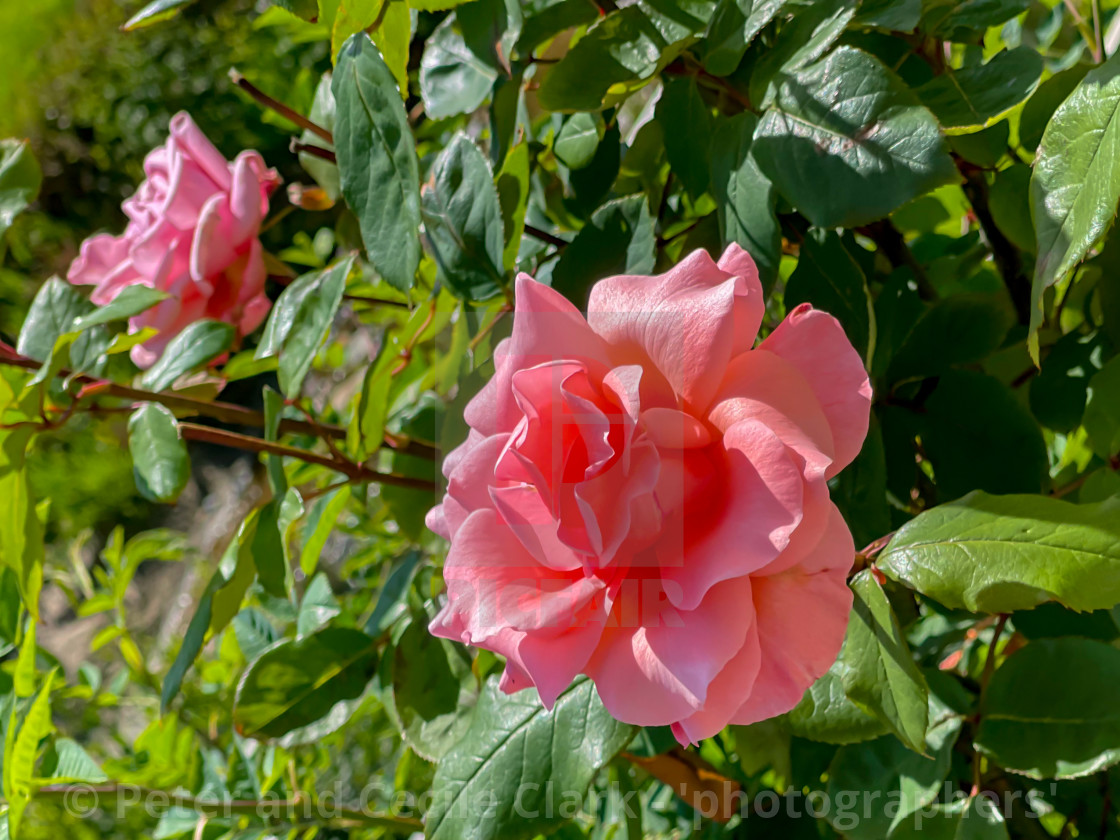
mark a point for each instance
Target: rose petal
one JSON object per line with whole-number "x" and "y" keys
{"x": 815, "y": 344}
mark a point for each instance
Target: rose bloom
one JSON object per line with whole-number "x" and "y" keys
{"x": 192, "y": 232}
{"x": 642, "y": 498}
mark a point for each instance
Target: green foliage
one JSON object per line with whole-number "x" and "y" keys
{"x": 877, "y": 160}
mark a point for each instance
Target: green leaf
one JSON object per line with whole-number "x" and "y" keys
{"x": 319, "y": 605}
{"x": 619, "y": 239}
{"x": 904, "y": 781}
{"x": 847, "y": 142}
{"x": 513, "y": 756}
{"x": 892, "y": 15}
{"x": 21, "y": 532}
{"x": 975, "y": 97}
{"x": 36, "y": 726}
{"x": 323, "y": 172}
{"x": 453, "y": 80}
{"x": 1059, "y": 393}
{"x": 978, "y": 436}
{"x": 826, "y": 714}
{"x": 624, "y": 46}
{"x": 745, "y": 198}
{"x": 464, "y": 221}
{"x": 1045, "y": 101}
{"x": 377, "y": 160}
{"x": 578, "y": 139}
{"x": 734, "y": 25}
{"x": 390, "y": 601}
{"x": 1102, "y": 410}
{"x": 132, "y": 300}
{"x": 320, "y": 522}
{"x": 56, "y": 307}
{"x": 71, "y": 764}
{"x": 1076, "y": 182}
{"x": 552, "y": 19}
{"x": 681, "y": 105}
{"x": 878, "y": 670}
{"x": 512, "y": 184}
{"x": 957, "y": 330}
{"x": 160, "y": 462}
{"x": 1052, "y": 710}
{"x": 155, "y": 12}
{"x": 20, "y": 179}
{"x": 434, "y": 690}
{"x": 295, "y": 683}
{"x": 198, "y": 343}
{"x": 301, "y": 320}
{"x": 955, "y": 20}
{"x": 975, "y": 818}
{"x": 814, "y": 28}
{"x": 829, "y": 276}
{"x": 1005, "y": 553}
{"x": 1009, "y": 201}
{"x": 393, "y": 38}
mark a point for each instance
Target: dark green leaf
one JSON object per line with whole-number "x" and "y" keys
{"x": 319, "y": 605}
{"x": 464, "y": 221}
{"x": 1076, "y": 183}
{"x": 1102, "y": 410}
{"x": 20, "y": 177}
{"x": 861, "y": 490}
{"x": 829, "y": 276}
{"x": 893, "y": 15}
{"x": 976, "y": 818}
{"x": 434, "y": 690}
{"x": 1045, "y": 101}
{"x": 745, "y": 198}
{"x": 619, "y": 239}
{"x": 511, "y": 758}
{"x": 681, "y": 105}
{"x": 390, "y": 602}
{"x": 132, "y": 300}
{"x": 56, "y": 307}
{"x": 966, "y": 19}
{"x": 453, "y": 80}
{"x": 553, "y": 19}
{"x": 975, "y": 97}
{"x": 847, "y": 142}
{"x": 300, "y": 322}
{"x": 198, "y": 343}
{"x": 295, "y": 683}
{"x": 1005, "y": 553}
{"x": 878, "y": 670}
{"x": 904, "y": 780}
{"x": 826, "y": 714}
{"x": 377, "y": 160}
{"x": 814, "y": 28}
{"x": 578, "y": 139}
{"x": 958, "y": 330}
{"x": 1059, "y": 393}
{"x": 978, "y": 436}
{"x": 1010, "y": 203}
{"x": 734, "y": 25}
{"x": 624, "y": 46}
{"x": 160, "y": 461}
{"x": 1052, "y": 710}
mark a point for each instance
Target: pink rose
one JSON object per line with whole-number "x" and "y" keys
{"x": 643, "y": 499}
{"x": 192, "y": 233}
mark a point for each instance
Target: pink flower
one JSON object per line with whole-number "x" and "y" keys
{"x": 192, "y": 233}
{"x": 643, "y": 499}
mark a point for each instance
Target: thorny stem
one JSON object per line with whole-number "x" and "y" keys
{"x": 485, "y": 331}
{"x": 277, "y": 106}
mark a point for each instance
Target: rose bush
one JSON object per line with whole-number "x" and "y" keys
{"x": 192, "y": 233}
{"x": 643, "y": 498}
{"x": 654, "y": 312}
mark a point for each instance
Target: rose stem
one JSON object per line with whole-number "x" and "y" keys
{"x": 279, "y": 107}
